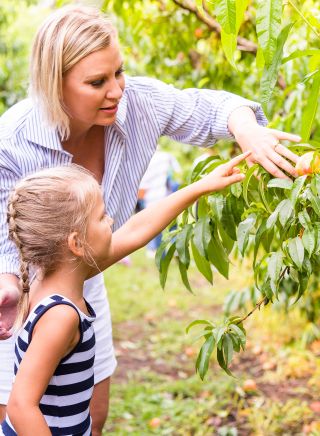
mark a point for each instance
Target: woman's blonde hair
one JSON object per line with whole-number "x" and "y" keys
{"x": 65, "y": 37}
{"x": 43, "y": 209}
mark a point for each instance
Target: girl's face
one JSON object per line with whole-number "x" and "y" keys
{"x": 99, "y": 232}
{"x": 93, "y": 88}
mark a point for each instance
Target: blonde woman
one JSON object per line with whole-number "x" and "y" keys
{"x": 82, "y": 109}
{"x": 55, "y": 347}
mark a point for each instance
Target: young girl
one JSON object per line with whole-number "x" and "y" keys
{"x": 57, "y": 220}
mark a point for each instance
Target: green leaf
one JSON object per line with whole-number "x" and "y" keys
{"x": 225, "y": 11}
{"x": 274, "y": 270}
{"x": 270, "y": 72}
{"x": 164, "y": 264}
{"x": 309, "y": 241}
{"x": 285, "y": 211}
{"x": 301, "y": 53}
{"x": 246, "y": 182}
{"x": 202, "y": 235}
{"x": 198, "y": 322}
{"x": 229, "y": 45}
{"x": 203, "y": 359}
{"x": 303, "y": 284}
{"x": 202, "y": 264}
{"x": 184, "y": 276}
{"x": 239, "y": 333}
{"x": 310, "y": 109}
{"x": 227, "y": 348}
{"x": 268, "y": 24}
{"x": 217, "y": 255}
{"x": 182, "y": 244}
{"x": 280, "y": 183}
{"x": 296, "y": 189}
{"x": 261, "y": 230}
{"x": 304, "y": 219}
{"x": 222, "y": 361}
{"x": 243, "y": 232}
{"x": 315, "y": 201}
{"x": 236, "y": 190}
{"x": 296, "y": 251}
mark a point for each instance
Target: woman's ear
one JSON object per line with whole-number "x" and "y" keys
{"x": 75, "y": 245}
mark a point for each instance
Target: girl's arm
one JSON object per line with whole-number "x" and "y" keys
{"x": 55, "y": 335}
{"x": 145, "y": 225}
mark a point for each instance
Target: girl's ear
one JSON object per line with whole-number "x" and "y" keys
{"x": 75, "y": 245}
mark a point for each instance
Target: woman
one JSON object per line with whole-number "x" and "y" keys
{"x": 83, "y": 110}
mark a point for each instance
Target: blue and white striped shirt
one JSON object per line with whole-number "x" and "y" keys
{"x": 148, "y": 109}
{"x": 65, "y": 403}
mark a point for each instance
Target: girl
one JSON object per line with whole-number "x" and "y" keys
{"x": 58, "y": 222}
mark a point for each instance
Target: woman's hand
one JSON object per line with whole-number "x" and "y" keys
{"x": 264, "y": 143}
{"x": 9, "y": 297}
{"x": 223, "y": 175}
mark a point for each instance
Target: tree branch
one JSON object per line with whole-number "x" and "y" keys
{"x": 243, "y": 44}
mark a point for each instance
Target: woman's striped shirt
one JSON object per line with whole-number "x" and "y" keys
{"x": 148, "y": 109}
{"x": 65, "y": 403}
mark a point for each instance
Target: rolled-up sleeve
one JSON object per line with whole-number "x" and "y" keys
{"x": 197, "y": 116}
{"x": 9, "y": 258}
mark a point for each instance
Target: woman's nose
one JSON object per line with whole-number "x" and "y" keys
{"x": 115, "y": 91}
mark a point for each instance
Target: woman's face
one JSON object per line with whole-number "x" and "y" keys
{"x": 93, "y": 87}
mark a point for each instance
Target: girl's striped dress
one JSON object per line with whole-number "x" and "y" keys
{"x": 65, "y": 403}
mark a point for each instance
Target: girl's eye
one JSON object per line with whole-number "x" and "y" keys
{"x": 97, "y": 83}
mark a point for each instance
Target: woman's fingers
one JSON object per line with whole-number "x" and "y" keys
{"x": 282, "y": 163}
{"x": 284, "y": 151}
{"x": 285, "y": 136}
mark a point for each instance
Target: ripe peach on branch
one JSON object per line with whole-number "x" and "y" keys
{"x": 308, "y": 163}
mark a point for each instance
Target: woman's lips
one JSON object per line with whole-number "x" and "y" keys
{"x": 109, "y": 110}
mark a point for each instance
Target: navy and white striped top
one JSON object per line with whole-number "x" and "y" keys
{"x": 147, "y": 110}
{"x": 65, "y": 403}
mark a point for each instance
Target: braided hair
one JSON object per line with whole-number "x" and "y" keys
{"x": 23, "y": 304}
{"x": 43, "y": 209}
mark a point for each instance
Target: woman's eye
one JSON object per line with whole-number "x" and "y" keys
{"x": 97, "y": 83}
{"x": 120, "y": 71}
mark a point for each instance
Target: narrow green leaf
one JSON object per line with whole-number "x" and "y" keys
{"x": 280, "y": 183}
{"x": 197, "y": 322}
{"x": 304, "y": 219}
{"x": 164, "y": 264}
{"x": 203, "y": 359}
{"x": 227, "y": 348}
{"x": 296, "y": 251}
{"x": 243, "y": 232}
{"x": 222, "y": 361}
{"x": 296, "y": 189}
{"x": 225, "y": 11}
{"x": 182, "y": 244}
{"x": 246, "y": 181}
{"x": 218, "y": 257}
{"x": 310, "y": 109}
{"x": 285, "y": 211}
{"x": 184, "y": 276}
{"x": 202, "y": 264}
{"x": 309, "y": 241}
{"x": 202, "y": 235}
{"x": 240, "y": 333}
{"x": 270, "y": 72}
{"x": 268, "y": 24}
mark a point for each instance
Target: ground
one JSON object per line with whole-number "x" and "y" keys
{"x": 155, "y": 389}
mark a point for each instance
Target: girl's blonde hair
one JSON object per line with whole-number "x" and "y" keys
{"x": 43, "y": 209}
{"x": 65, "y": 37}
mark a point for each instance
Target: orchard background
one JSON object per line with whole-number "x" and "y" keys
{"x": 264, "y": 236}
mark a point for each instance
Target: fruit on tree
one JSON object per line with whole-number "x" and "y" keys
{"x": 154, "y": 422}
{"x": 308, "y": 163}
{"x": 249, "y": 385}
{"x": 198, "y": 32}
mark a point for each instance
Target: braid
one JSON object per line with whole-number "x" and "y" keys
{"x": 23, "y": 304}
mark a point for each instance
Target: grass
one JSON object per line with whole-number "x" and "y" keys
{"x": 155, "y": 390}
